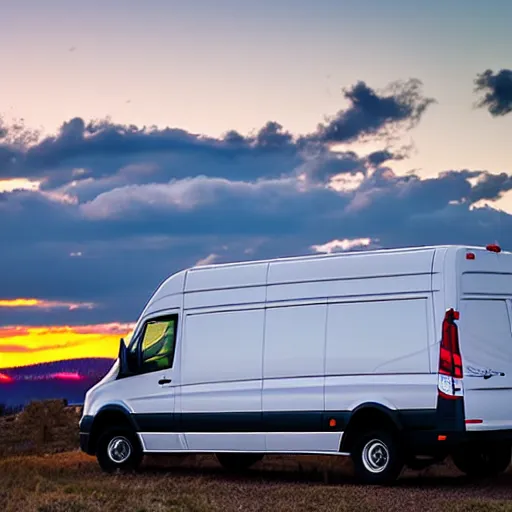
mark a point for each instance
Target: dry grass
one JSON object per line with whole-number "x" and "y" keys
{"x": 72, "y": 482}
{"x": 43, "y": 427}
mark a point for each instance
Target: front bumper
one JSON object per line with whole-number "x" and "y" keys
{"x": 85, "y": 426}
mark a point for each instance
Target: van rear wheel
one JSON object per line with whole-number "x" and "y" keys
{"x": 238, "y": 461}
{"x": 118, "y": 449}
{"x": 483, "y": 460}
{"x": 377, "y": 457}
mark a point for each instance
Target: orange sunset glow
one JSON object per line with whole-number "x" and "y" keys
{"x": 22, "y": 346}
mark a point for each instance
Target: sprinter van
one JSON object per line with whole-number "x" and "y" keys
{"x": 395, "y": 357}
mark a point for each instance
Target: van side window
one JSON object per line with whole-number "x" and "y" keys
{"x": 158, "y": 342}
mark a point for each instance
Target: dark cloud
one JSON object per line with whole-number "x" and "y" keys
{"x": 321, "y": 167}
{"x": 379, "y": 157}
{"x": 371, "y": 114}
{"x": 16, "y": 135}
{"x": 101, "y": 150}
{"x": 273, "y": 136}
{"x": 491, "y": 186}
{"x": 133, "y": 236}
{"x": 497, "y": 89}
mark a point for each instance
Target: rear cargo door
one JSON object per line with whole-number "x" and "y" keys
{"x": 486, "y": 349}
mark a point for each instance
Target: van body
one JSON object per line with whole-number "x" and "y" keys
{"x": 393, "y": 357}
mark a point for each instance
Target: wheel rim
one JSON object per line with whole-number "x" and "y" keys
{"x": 119, "y": 449}
{"x": 375, "y": 456}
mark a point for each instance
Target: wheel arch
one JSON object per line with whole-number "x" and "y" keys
{"x": 365, "y": 416}
{"x": 109, "y": 415}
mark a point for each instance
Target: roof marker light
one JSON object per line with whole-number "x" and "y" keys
{"x": 493, "y": 248}
{"x": 470, "y": 255}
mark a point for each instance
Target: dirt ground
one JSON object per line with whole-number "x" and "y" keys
{"x": 73, "y": 482}
{"x": 41, "y": 469}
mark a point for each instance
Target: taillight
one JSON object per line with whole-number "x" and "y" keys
{"x": 450, "y": 360}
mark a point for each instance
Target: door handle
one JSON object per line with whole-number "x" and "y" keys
{"x": 164, "y": 381}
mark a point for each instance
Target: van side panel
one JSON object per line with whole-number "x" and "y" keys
{"x": 379, "y": 337}
{"x": 350, "y": 288}
{"x": 293, "y": 385}
{"x": 223, "y": 298}
{"x": 351, "y": 266}
{"x": 222, "y": 347}
{"x": 225, "y": 277}
{"x": 294, "y": 341}
{"x": 221, "y": 380}
{"x": 378, "y": 352}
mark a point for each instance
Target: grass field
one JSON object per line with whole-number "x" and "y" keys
{"x": 72, "y": 482}
{"x": 49, "y": 474}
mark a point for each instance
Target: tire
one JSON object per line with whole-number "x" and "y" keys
{"x": 119, "y": 443}
{"x": 238, "y": 461}
{"x": 378, "y": 457}
{"x": 480, "y": 461}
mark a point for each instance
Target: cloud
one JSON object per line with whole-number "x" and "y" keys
{"x": 209, "y": 260}
{"x": 115, "y": 328}
{"x": 132, "y": 237}
{"x": 382, "y": 156}
{"x": 8, "y": 332}
{"x": 490, "y": 186}
{"x": 343, "y": 245}
{"x": 43, "y": 304}
{"x": 497, "y": 89}
{"x": 95, "y": 156}
{"x": 371, "y": 114}
{"x": 87, "y": 158}
{"x": 22, "y": 349}
{"x": 119, "y": 207}
{"x": 17, "y": 184}
{"x": 322, "y": 166}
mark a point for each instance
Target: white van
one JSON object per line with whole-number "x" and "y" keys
{"x": 395, "y": 357}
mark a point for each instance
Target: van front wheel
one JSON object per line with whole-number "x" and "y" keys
{"x": 483, "y": 460}
{"x": 377, "y": 458}
{"x": 118, "y": 449}
{"x": 238, "y": 461}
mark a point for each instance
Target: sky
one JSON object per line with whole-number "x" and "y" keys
{"x": 140, "y": 138}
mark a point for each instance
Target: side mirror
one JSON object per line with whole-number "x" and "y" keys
{"x": 123, "y": 358}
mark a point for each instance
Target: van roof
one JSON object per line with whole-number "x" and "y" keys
{"x": 344, "y": 254}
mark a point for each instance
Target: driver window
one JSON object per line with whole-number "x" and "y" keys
{"x": 158, "y": 342}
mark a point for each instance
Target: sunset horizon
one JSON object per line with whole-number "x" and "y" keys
{"x": 29, "y": 345}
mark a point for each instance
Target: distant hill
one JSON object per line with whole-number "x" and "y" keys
{"x": 87, "y": 367}
{"x": 67, "y": 380}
